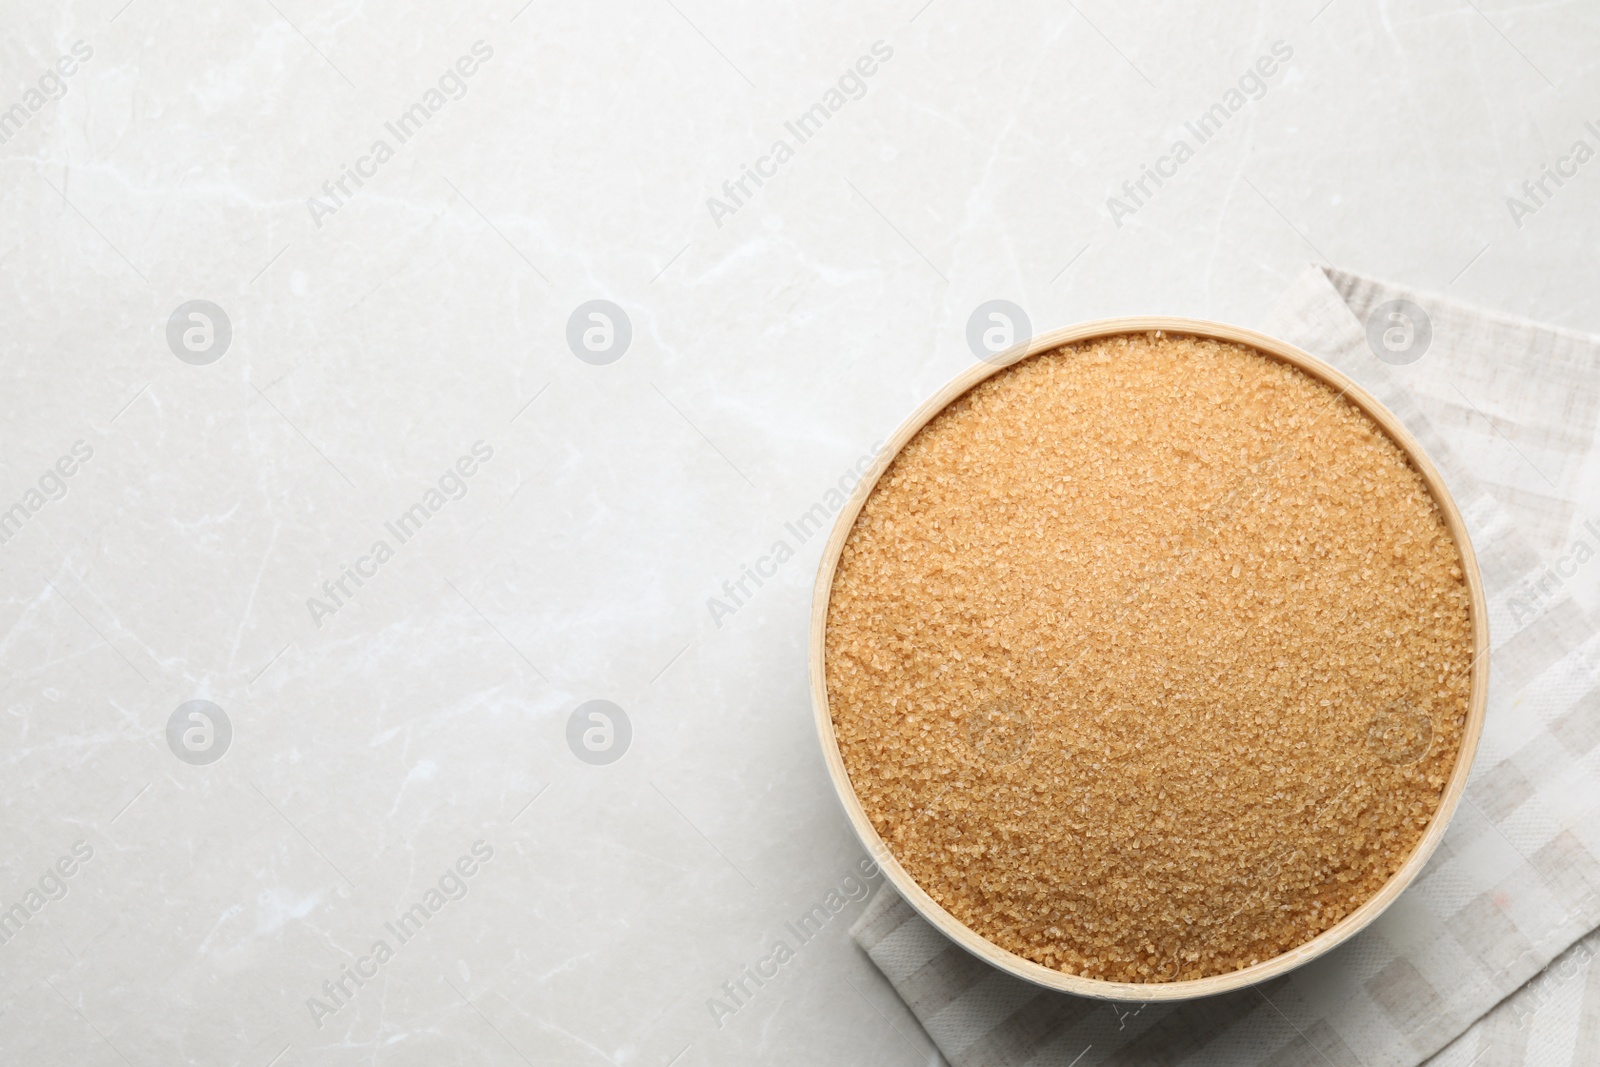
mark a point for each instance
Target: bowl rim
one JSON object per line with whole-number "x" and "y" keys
{"x": 1187, "y": 989}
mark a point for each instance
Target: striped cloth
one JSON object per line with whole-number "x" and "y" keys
{"x": 1488, "y": 959}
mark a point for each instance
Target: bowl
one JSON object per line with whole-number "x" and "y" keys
{"x": 1346, "y": 927}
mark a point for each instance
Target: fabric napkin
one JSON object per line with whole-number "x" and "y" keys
{"x": 1487, "y": 960}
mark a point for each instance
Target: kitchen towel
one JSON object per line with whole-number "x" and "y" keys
{"x": 1487, "y": 959}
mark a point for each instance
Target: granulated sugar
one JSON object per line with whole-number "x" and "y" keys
{"x": 1149, "y": 658}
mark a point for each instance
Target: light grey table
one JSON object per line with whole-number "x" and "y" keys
{"x": 395, "y": 219}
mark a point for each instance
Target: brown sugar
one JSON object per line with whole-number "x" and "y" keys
{"x": 1149, "y": 657}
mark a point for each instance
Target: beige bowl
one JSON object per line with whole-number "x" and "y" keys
{"x": 1200, "y": 987}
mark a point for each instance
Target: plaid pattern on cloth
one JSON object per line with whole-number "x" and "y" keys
{"x": 1487, "y": 960}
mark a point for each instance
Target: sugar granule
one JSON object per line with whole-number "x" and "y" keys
{"x": 1149, "y": 658}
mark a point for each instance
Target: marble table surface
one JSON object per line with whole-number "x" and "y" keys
{"x": 385, "y": 385}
